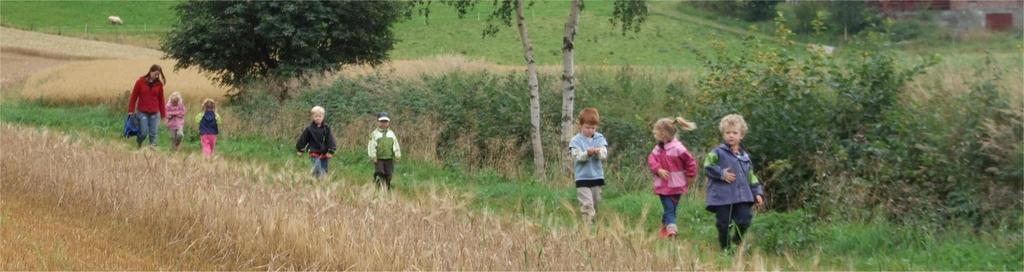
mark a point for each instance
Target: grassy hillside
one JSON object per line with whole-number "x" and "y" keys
{"x": 671, "y": 28}
{"x": 661, "y": 42}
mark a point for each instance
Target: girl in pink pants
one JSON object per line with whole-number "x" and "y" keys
{"x": 207, "y": 121}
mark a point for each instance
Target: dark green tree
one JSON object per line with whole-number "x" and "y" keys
{"x": 279, "y": 42}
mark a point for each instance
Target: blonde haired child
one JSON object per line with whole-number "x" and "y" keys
{"x": 673, "y": 166}
{"x": 732, "y": 186}
{"x": 318, "y": 140}
{"x": 589, "y": 149}
{"x": 175, "y": 109}
{"x": 208, "y": 126}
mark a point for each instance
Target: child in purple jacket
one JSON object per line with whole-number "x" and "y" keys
{"x": 673, "y": 166}
{"x": 732, "y": 186}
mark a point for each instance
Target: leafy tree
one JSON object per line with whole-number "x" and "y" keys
{"x": 277, "y": 42}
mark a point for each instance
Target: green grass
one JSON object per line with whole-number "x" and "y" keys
{"x": 660, "y": 43}
{"x": 663, "y": 41}
{"x": 841, "y": 245}
{"x": 144, "y": 21}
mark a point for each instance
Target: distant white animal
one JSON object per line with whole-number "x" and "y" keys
{"x": 828, "y": 50}
{"x": 114, "y": 20}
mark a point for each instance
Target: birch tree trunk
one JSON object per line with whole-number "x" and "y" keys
{"x": 569, "y": 79}
{"x": 531, "y": 69}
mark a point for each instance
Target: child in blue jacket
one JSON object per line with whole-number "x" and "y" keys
{"x": 732, "y": 186}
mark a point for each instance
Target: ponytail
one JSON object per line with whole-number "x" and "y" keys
{"x": 683, "y": 123}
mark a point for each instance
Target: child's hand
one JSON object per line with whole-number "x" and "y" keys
{"x": 298, "y": 153}
{"x": 663, "y": 173}
{"x": 758, "y": 200}
{"x": 592, "y": 151}
{"x": 328, "y": 155}
{"x": 728, "y": 176}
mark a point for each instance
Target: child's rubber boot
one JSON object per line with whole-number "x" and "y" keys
{"x": 663, "y": 233}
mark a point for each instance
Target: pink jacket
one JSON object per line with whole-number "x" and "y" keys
{"x": 680, "y": 164}
{"x": 175, "y": 116}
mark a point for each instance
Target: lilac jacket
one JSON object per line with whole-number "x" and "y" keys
{"x": 742, "y": 190}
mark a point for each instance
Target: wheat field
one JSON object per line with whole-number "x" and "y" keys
{"x": 99, "y": 80}
{"x": 242, "y": 216}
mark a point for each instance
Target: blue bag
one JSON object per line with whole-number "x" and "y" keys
{"x": 131, "y": 126}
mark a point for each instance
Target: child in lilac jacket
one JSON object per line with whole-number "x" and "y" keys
{"x": 673, "y": 166}
{"x": 732, "y": 186}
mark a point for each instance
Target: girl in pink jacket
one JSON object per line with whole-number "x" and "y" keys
{"x": 673, "y": 166}
{"x": 175, "y": 109}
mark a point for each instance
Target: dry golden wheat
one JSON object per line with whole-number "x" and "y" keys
{"x": 245, "y": 217}
{"x": 99, "y": 80}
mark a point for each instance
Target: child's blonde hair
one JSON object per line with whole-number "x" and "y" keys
{"x": 733, "y": 121}
{"x": 209, "y": 104}
{"x": 589, "y": 116}
{"x": 317, "y": 110}
{"x": 667, "y": 126}
{"x": 175, "y": 97}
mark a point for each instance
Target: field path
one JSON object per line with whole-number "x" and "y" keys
{"x": 67, "y": 46}
{"x": 25, "y": 53}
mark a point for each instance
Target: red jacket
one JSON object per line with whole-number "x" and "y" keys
{"x": 150, "y": 98}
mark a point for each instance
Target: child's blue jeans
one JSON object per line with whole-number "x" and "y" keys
{"x": 669, "y": 202}
{"x": 319, "y": 166}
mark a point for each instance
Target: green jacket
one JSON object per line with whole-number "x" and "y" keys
{"x": 383, "y": 145}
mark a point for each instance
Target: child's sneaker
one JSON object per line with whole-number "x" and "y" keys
{"x": 663, "y": 233}
{"x": 672, "y": 230}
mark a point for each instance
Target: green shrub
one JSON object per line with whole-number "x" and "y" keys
{"x": 749, "y": 10}
{"x": 839, "y": 17}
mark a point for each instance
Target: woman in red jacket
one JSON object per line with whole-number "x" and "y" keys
{"x": 148, "y": 98}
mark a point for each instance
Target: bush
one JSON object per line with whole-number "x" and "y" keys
{"x": 839, "y": 17}
{"x": 963, "y": 164}
{"x": 909, "y": 29}
{"x": 749, "y": 10}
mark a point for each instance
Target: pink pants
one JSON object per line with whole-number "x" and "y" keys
{"x": 209, "y": 142}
